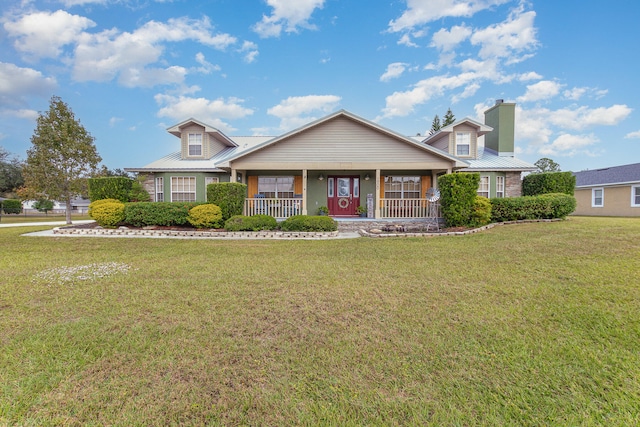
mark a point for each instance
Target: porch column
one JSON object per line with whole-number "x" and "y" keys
{"x": 376, "y": 196}
{"x": 233, "y": 175}
{"x": 304, "y": 192}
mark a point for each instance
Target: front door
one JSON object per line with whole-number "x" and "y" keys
{"x": 343, "y": 195}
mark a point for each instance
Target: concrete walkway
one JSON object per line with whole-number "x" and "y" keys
{"x": 43, "y": 223}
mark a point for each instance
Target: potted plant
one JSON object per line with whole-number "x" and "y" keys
{"x": 323, "y": 210}
{"x": 362, "y": 211}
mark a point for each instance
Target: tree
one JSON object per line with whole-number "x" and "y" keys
{"x": 547, "y": 165}
{"x": 63, "y": 155}
{"x": 449, "y": 118}
{"x": 10, "y": 173}
{"x": 435, "y": 125}
{"x": 43, "y": 205}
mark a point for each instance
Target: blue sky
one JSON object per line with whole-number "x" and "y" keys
{"x": 131, "y": 68}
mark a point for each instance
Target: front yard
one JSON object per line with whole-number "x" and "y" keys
{"x": 532, "y": 324}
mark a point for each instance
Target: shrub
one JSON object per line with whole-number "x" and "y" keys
{"x": 458, "y": 193}
{"x": 138, "y": 193}
{"x": 97, "y": 203}
{"x": 309, "y": 223}
{"x": 548, "y": 182}
{"x": 140, "y": 214}
{"x": 251, "y": 223}
{"x": 561, "y": 204}
{"x": 43, "y": 205}
{"x": 12, "y": 206}
{"x": 481, "y": 214}
{"x": 229, "y": 196}
{"x": 108, "y": 214}
{"x": 112, "y": 187}
{"x": 544, "y": 206}
{"x": 205, "y": 216}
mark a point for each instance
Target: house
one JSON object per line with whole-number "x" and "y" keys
{"x": 340, "y": 161}
{"x": 613, "y": 191}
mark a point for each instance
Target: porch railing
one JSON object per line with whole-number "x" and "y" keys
{"x": 277, "y": 208}
{"x": 409, "y": 208}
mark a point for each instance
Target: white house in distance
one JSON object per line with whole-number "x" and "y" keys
{"x": 340, "y": 161}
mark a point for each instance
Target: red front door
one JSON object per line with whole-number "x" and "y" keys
{"x": 343, "y": 195}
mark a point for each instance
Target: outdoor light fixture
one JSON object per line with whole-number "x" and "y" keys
{"x": 367, "y": 177}
{"x": 320, "y": 177}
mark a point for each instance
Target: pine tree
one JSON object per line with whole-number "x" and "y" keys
{"x": 62, "y": 157}
{"x": 449, "y": 118}
{"x": 435, "y": 125}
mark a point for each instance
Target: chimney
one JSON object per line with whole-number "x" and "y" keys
{"x": 501, "y": 117}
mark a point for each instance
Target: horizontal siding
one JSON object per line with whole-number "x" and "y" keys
{"x": 340, "y": 141}
{"x": 617, "y": 202}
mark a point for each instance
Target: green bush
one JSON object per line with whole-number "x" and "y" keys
{"x": 251, "y": 223}
{"x": 544, "y": 206}
{"x": 43, "y": 205}
{"x": 138, "y": 193}
{"x": 141, "y": 214}
{"x": 229, "y": 196}
{"x": 205, "y": 216}
{"x": 309, "y": 223}
{"x": 97, "y": 203}
{"x": 458, "y": 193}
{"x": 12, "y": 206}
{"x": 112, "y": 187}
{"x": 108, "y": 214}
{"x": 548, "y": 182}
{"x": 481, "y": 214}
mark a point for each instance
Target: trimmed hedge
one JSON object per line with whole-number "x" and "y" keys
{"x": 97, "y": 203}
{"x": 548, "y": 182}
{"x": 141, "y": 214}
{"x": 12, "y": 206}
{"x": 108, "y": 214}
{"x": 229, "y": 196}
{"x": 309, "y": 223}
{"x": 205, "y": 216}
{"x": 251, "y": 223}
{"x": 111, "y": 187}
{"x": 544, "y": 206}
{"x": 481, "y": 214}
{"x": 458, "y": 193}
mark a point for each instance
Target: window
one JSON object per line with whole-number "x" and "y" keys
{"x": 330, "y": 187}
{"x": 597, "y": 197}
{"x": 402, "y": 187}
{"x": 195, "y": 144}
{"x": 463, "y": 143}
{"x": 276, "y": 186}
{"x": 159, "y": 189}
{"x": 499, "y": 186}
{"x": 635, "y": 196}
{"x": 183, "y": 188}
{"x": 483, "y": 188}
{"x": 211, "y": 180}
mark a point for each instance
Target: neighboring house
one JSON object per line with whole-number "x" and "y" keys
{"x": 340, "y": 161}
{"x": 78, "y": 205}
{"x": 613, "y": 191}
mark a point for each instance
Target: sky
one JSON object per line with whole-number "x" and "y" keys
{"x": 129, "y": 69}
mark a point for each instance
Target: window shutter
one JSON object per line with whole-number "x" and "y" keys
{"x": 382, "y": 187}
{"x": 252, "y": 186}
{"x": 425, "y": 184}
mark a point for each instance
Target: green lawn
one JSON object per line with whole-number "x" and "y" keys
{"x": 533, "y": 324}
{"x": 40, "y": 217}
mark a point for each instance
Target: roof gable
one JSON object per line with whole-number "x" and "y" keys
{"x": 613, "y": 175}
{"x": 481, "y": 129}
{"x": 177, "y": 130}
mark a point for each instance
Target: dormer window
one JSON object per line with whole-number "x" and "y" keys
{"x": 195, "y": 144}
{"x": 463, "y": 143}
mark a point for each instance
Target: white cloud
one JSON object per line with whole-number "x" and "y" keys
{"x": 633, "y": 135}
{"x": 20, "y": 113}
{"x": 420, "y": 12}
{"x": 446, "y": 40}
{"x": 17, "y": 83}
{"x": 250, "y": 50}
{"x": 531, "y": 75}
{"x": 394, "y": 71}
{"x": 287, "y": 15}
{"x": 542, "y": 90}
{"x": 569, "y": 145}
{"x": 296, "y": 111}
{"x": 43, "y": 34}
{"x": 209, "y": 111}
{"x": 405, "y": 40}
{"x": 507, "y": 39}
{"x": 114, "y": 120}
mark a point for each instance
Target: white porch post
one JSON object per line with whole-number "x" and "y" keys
{"x": 233, "y": 175}
{"x": 376, "y": 196}
{"x": 304, "y": 192}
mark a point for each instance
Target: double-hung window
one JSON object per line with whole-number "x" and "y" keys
{"x": 483, "y": 188}
{"x": 597, "y": 197}
{"x": 280, "y": 187}
{"x": 211, "y": 180}
{"x": 463, "y": 143}
{"x": 635, "y": 196}
{"x": 499, "y": 186}
{"x": 195, "y": 144}
{"x": 402, "y": 187}
{"x": 183, "y": 188}
{"x": 159, "y": 189}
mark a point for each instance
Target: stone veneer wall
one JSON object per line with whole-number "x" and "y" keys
{"x": 513, "y": 184}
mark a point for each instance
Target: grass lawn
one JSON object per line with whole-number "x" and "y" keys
{"x": 19, "y": 219}
{"x": 534, "y": 324}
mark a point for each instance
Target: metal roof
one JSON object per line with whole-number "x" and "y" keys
{"x": 624, "y": 174}
{"x": 489, "y": 160}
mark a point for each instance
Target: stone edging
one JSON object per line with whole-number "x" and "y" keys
{"x": 203, "y": 234}
{"x": 365, "y": 233}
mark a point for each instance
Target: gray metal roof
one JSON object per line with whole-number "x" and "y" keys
{"x": 607, "y": 176}
{"x": 488, "y": 160}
